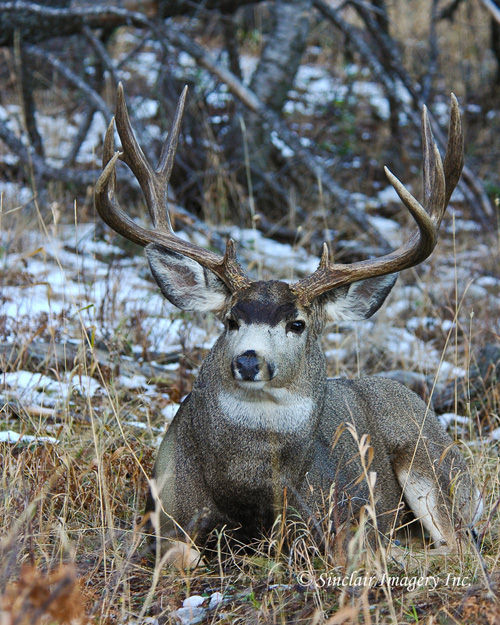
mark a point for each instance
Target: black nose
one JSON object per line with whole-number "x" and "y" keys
{"x": 246, "y": 366}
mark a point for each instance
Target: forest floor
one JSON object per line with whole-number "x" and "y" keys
{"x": 94, "y": 363}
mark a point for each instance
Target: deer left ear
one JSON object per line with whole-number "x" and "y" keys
{"x": 184, "y": 282}
{"x": 359, "y": 300}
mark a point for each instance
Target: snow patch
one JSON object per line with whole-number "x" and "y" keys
{"x": 389, "y": 228}
{"x": 450, "y": 418}
{"x": 169, "y": 412}
{"x": 13, "y": 438}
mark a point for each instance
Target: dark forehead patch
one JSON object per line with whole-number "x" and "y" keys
{"x": 265, "y": 302}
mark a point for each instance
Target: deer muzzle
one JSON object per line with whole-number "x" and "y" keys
{"x": 250, "y": 367}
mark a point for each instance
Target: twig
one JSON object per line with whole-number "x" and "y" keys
{"x": 493, "y": 9}
{"x": 80, "y": 136}
{"x": 302, "y": 154}
{"x": 67, "y": 355}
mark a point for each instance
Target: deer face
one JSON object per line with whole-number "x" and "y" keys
{"x": 268, "y": 333}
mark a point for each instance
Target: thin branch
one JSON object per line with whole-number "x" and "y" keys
{"x": 70, "y": 77}
{"x": 136, "y": 49}
{"x": 80, "y": 136}
{"x": 493, "y": 9}
{"x": 308, "y": 159}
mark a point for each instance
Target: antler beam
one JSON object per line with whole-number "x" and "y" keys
{"x": 154, "y": 184}
{"x": 438, "y": 182}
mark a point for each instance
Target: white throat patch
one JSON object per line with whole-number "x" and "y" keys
{"x": 271, "y": 409}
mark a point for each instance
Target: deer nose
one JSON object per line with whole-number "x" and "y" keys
{"x": 246, "y": 366}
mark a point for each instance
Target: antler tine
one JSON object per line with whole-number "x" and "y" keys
{"x": 169, "y": 148}
{"x": 454, "y": 158}
{"x": 154, "y": 185}
{"x": 432, "y": 170}
{"x": 438, "y": 181}
{"x": 108, "y": 151}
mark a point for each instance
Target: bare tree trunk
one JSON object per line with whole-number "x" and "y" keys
{"x": 282, "y": 52}
{"x": 271, "y": 81}
{"x": 495, "y": 46}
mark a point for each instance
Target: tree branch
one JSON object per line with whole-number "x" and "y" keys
{"x": 470, "y": 185}
{"x": 37, "y": 23}
{"x": 309, "y": 160}
{"x": 493, "y": 9}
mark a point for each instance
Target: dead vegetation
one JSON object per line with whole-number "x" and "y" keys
{"x": 93, "y": 362}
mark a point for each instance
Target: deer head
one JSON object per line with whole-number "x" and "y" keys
{"x": 266, "y": 319}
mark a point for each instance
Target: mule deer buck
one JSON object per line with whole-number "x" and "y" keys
{"x": 262, "y": 418}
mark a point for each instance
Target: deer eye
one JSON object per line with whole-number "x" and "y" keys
{"x": 297, "y": 326}
{"x": 232, "y": 324}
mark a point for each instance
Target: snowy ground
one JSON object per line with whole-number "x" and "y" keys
{"x": 67, "y": 287}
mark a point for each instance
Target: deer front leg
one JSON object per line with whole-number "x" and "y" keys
{"x": 181, "y": 510}
{"x": 438, "y": 488}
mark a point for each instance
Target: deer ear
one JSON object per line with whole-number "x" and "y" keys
{"x": 184, "y": 282}
{"x": 358, "y": 300}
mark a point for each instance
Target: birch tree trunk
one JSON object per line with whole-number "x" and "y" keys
{"x": 272, "y": 79}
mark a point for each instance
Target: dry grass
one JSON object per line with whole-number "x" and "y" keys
{"x": 72, "y": 546}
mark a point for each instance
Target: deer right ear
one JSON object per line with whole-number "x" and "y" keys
{"x": 184, "y": 282}
{"x": 359, "y": 300}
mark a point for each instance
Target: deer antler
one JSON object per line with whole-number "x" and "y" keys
{"x": 154, "y": 185}
{"x": 439, "y": 183}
